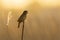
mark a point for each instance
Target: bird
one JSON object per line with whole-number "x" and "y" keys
{"x": 22, "y": 18}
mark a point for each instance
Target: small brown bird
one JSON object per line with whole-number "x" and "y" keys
{"x": 22, "y": 18}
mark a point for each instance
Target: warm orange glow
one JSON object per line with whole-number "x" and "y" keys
{"x": 24, "y": 3}
{"x": 15, "y": 3}
{"x": 49, "y": 2}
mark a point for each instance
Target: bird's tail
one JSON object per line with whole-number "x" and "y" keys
{"x": 18, "y": 25}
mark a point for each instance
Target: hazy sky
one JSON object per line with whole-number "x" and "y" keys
{"x": 24, "y": 3}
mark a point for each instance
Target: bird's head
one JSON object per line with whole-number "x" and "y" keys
{"x": 25, "y": 12}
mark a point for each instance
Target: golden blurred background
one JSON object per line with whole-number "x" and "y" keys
{"x": 42, "y": 23}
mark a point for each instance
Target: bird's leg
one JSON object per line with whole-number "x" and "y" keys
{"x": 22, "y": 31}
